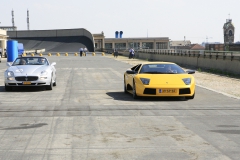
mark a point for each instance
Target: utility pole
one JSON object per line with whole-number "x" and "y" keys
{"x": 28, "y": 20}
{"x": 13, "y": 19}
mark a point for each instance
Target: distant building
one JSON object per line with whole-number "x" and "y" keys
{"x": 192, "y": 47}
{"x": 137, "y": 43}
{"x": 214, "y": 46}
{"x": 205, "y": 43}
{"x": 228, "y": 32}
{"x": 100, "y": 43}
{"x": 3, "y": 39}
{"x": 179, "y": 43}
{"x": 8, "y": 28}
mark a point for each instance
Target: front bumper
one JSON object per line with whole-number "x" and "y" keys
{"x": 27, "y": 83}
{"x": 165, "y": 91}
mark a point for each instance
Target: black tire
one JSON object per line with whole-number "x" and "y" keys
{"x": 8, "y": 88}
{"x": 125, "y": 88}
{"x": 190, "y": 97}
{"x": 134, "y": 91}
{"x": 55, "y": 83}
{"x": 49, "y": 87}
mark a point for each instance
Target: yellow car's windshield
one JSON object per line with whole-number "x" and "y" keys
{"x": 161, "y": 69}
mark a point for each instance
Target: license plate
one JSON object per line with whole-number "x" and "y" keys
{"x": 167, "y": 90}
{"x": 27, "y": 82}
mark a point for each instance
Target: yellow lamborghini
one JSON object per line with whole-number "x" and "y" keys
{"x": 163, "y": 79}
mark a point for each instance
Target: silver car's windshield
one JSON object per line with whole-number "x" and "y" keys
{"x": 161, "y": 69}
{"x": 30, "y": 61}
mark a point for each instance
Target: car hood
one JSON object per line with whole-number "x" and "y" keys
{"x": 170, "y": 79}
{"x": 28, "y": 69}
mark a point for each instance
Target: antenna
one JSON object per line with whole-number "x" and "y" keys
{"x": 13, "y": 19}
{"x": 27, "y": 19}
{"x": 147, "y": 33}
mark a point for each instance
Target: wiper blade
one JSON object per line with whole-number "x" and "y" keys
{"x": 152, "y": 73}
{"x": 170, "y": 73}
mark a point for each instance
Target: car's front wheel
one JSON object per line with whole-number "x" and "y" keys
{"x": 190, "y": 97}
{"x": 50, "y": 86}
{"x": 134, "y": 91}
{"x": 55, "y": 83}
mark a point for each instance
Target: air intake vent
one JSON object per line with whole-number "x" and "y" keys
{"x": 150, "y": 91}
{"x": 184, "y": 91}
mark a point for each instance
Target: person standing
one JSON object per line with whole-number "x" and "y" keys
{"x": 130, "y": 53}
{"x": 115, "y": 53}
{"x": 133, "y": 53}
{"x": 81, "y": 51}
{"x": 85, "y": 51}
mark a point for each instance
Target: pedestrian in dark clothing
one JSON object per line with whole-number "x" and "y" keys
{"x": 81, "y": 51}
{"x": 116, "y": 53}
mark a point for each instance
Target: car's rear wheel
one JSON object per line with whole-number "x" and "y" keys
{"x": 49, "y": 87}
{"x": 190, "y": 97}
{"x": 134, "y": 91}
{"x": 8, "y": 88}
{"x": 125, "y": 88}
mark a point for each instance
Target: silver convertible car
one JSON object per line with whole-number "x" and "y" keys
{"x": 30, "y": 71}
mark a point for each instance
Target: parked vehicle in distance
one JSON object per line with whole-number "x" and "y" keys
{"x": 159, "y": 79}
{"x": 30, "y": 71}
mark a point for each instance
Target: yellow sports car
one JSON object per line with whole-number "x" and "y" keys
{"x": 165, "y": 79}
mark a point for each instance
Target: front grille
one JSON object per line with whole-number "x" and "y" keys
{"x": 184, "y": 91}
{"x": 150, "y": 91}
{"x": 26, "y": 78}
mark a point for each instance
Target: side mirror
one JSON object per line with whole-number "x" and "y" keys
{"x": 131, "y": 72}
{"x": 190, "y": 71}
{"x": 53, "y": 64}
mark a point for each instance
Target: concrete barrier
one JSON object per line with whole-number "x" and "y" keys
{"x": 225, "y": 62}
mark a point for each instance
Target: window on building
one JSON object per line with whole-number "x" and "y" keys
{"x": 120, "y": 45}
{"x": 135, "y": 45}
{"x": 161, "y": 45}
{"x": 147, "y": 45}
{"x": 108, "y": 45}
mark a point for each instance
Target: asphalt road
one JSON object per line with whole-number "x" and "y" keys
{"x": 88, "y": 116}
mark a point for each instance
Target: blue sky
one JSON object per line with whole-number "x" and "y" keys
{"x": 194, "y": 19}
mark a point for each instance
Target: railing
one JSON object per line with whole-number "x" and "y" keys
{"x": 193, "y": 53}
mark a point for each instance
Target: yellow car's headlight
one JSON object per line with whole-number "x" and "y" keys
{"x": 145, "y": 81}
{"x": 187, "y": 81}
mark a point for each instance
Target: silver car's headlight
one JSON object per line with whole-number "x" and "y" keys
{"x": 145, "y": 81}
{"x": 187, "y": 81}
{"x": 10, "y": 74}
{"x": 43, "y": 75}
